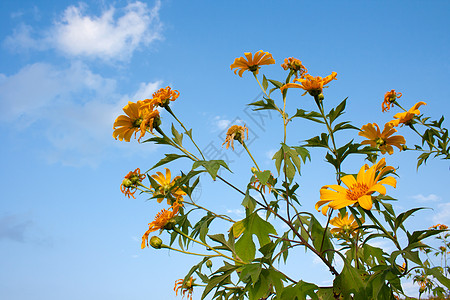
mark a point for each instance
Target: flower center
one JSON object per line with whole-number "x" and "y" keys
{"x": 253, "y": 68}
{"x": 357, "y": 190}
{"x": 137, "y": 122}
{"x": 380, "y": 142}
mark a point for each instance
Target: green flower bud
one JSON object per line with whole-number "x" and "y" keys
{"x": 156, "y": 242}
{"x": 209, "y": 263}
{"x": 170, "y": 225}
{"x": 320, "y": 97}
{"x": 127, "y": 182}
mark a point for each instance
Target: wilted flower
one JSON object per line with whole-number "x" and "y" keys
{"x": 161, "y": 220}
{"x": 439, "y": 227}
{"x": 295, "y": 65}
{"x": 389, "y": 99}
{"x": 358, "y": 190}
{"x": 406, "y": 117}
{"x": 382, "y": 140}
{"x": 162, "y": 97}
{"x": 166, "y": 187}
{"x": 235, "y": 132}
{"x": 125, "y": 125}
{"x": 130, "y": 182}
{"x": 312, "y": 85}
{"x": 186, "y": 288}
{"x": 252, "y": 63}
{"x": 151, "y": 120}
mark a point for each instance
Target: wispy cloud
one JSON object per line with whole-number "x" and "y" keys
{"x": 442, "y": 214}
{"x": 75, "y": 107}
{"x": 113, "y": 35}
{"x": 429, "y": 198}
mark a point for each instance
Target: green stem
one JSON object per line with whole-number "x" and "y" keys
{"x": 248, "y": 151}
{"x": 207, "y": 246}
{"x": 187, "y": 252}
{"x": 185, "y": 130}
{"x": 256, "y": 77}
{"x": 372, "y": 217}
{"x": 429, "y": 143}
{"x": 226, "y": 218}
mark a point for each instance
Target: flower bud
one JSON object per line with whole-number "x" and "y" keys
{"x": 127, "y": 182}
{"x": 170, "y": 225}
{"x": 404, "y": 147}
{"x": 320, "y": 97}
{"x": 209, "y": 263}
{"x": 253, "y": 169}
{"x": 156, "y": 242}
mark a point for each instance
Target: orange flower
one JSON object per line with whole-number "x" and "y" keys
{"x": 294, "y": 65}
{"x": 389, "y": 99}
{"x": 126, "y": 125}
{"x": 439, "y": 226}
{"x": 166, "y": 187}
{"x": 312, "y": 85}
{"x": 257, "y": 185}
{"x": 344, "y": 224}
{"x": 188, "y": 287}
{"x": 406, "y": 117}
{"x": 150, "y": 120}
{"x": 131, "y": 181}
{"x": 161, "y": 220}
{"x": 382, "y": 140}
{"x": 235, "y": 132}
{"x": 162, "y": 97}
{"x": 358, "y": 190}
{"x": 251, "y": 63}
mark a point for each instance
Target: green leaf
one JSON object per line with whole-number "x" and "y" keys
{"x": 251, "y": 271}
{"x": 266, "y": 103}
{"x": 276, "y": 83}
{"x": 300, "y": 291}
{"x": 265, "y": 83}
{"x": 263, "y": 176}
{"x": 336, "y": 112}
{"x": 169, "y": 157}
{"x": 350, "y": 281}
{"x": 403, "y": 216}
{"x": 437, "y": 273}
{"x": 249, "y": 202}
{"x": 253, "y": 225}
{"x": 211, "y": 166}
{"x": 312, "y": 115}
{"x": 320, "y": 242}
{"x": 177, "y": 137}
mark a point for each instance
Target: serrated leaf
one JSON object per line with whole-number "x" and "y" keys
{"x": 177, "y": 137}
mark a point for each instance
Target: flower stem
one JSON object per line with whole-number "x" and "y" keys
{"x": 185, "y": 130}
{"x": 248, "y": 151}
{"x": 206, "y": 245}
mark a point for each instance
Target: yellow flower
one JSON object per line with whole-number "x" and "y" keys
{"x": 312, "y": 85}
{"x": 389, "y": 99}
{"x": 131, "y": 181}
{"x": 166, "y": 186}
{"x": 150, "y": 120}
{"x": 126, "y": 125}
{"x": 294, "y": 65}
{"x": 382, "y": 140}
{"x": 252, "y": 63}
{"x": 406, "y": 117}
{"x": 188, "y": 287}
{"x": 162, "y": 97}
{"x": 161, "y": 220}
{"x": 344, "y": 224}
{"x": 235, "y": 132}
{"x": 358, "y": 190}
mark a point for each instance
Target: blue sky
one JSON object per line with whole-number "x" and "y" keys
{"x": 67, "y": 68}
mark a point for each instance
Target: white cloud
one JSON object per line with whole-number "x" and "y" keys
{"x": 74, "y": 107}
{"x": 105, "y": 37}
{"x": 271, "y": 153}
{"x": 429, "y": 198}
{"x": 443, "y": 214}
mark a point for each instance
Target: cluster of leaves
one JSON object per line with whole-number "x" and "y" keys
{"x": 249, "y": 254}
